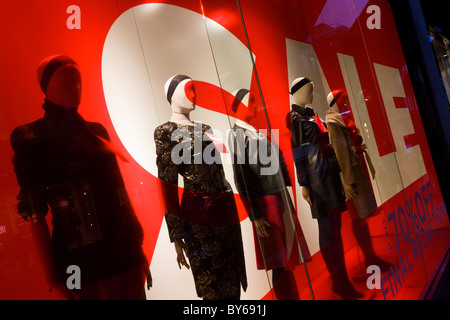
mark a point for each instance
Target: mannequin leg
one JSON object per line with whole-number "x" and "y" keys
{"x": 362, "y": 235}
{"x": 332, "y": 250}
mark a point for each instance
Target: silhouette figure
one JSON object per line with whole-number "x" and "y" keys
{"x": 66, "y": 165}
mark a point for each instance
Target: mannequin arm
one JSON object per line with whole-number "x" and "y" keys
{"x": 351, "y": 189}
{"x": 306, "y": 195}
{"x": 342, "y": 145}
{"x": 181, "y": 259}
{"x": 261, "y": 225}
{"x": 149, "y": 280}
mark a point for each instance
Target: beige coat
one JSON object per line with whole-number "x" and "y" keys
{"x": 350, "y": 161}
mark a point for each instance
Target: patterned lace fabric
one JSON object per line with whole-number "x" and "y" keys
{"x": 206, "y": 219}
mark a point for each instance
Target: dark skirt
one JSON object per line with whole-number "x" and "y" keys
{"x": 281, "y": 248}
{"x": 326, "y": 190}
{"x": 216, "y": 257}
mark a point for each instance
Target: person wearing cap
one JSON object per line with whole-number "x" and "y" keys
{"x": 67, "y": 166}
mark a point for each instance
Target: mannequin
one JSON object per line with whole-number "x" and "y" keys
{"x": 266, "y": 200}
{"x": 350, "y": 151}
{"x": 205, "y": 225}
{"x": 318, "y": 175}
{"x": 65, "y": 164}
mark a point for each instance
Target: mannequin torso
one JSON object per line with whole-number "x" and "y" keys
{"x": 317, "y": 172}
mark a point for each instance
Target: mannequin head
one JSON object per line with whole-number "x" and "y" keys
{"x": 180, "y": 93}
{"x": 60, "y": 80}
{"x": 338, "y": 99}
{"x": 302, "y": 90}
{"x": 244, "y": 105}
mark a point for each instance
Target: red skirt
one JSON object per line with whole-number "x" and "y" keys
{"x": 281, "y": 248}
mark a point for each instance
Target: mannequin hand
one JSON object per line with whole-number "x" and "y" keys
{"x": 351, "y": 190}
{"x": 261, "y": 227}
{"x": 306, "y": 195}
{"x": 179, "y": 247}
{"x": 149, "y": 280}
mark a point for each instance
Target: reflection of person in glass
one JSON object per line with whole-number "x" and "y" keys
{"x": 205, "y": 225}
{"x": 65, "y": 163}
{"x": 318, "y": 175}
{"x": 266, "y": 199}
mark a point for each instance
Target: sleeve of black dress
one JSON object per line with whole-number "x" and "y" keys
{"x": 168, "y": 178}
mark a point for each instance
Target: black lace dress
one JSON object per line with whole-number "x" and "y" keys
{"x": 206, "y": 219}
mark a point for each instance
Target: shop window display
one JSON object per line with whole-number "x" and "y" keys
{"x": 290, "y": 161}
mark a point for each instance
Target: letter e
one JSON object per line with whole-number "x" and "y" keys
{"x": 374, "y": 21}
{"x": 74, "y": 280}
{"x": 373, "y": 281}
{"x": 74, "y": 20}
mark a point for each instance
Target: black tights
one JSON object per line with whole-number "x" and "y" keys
{"x": 330, "y": 234}
{"x": 332, "y": 248}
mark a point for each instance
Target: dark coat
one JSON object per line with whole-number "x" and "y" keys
{"x": 61, "y": 164}
{"x": 315, "y": 162}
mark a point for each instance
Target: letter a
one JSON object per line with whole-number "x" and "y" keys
{"x": 373, "y": 282}
{"x": 374, "y": 21}
{"x": 74, "y": 20}
{"x": 74, "y": 280}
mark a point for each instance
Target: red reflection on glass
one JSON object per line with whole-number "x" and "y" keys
{"x": 190, "y": 92}
{"x": 211, "y": 97}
